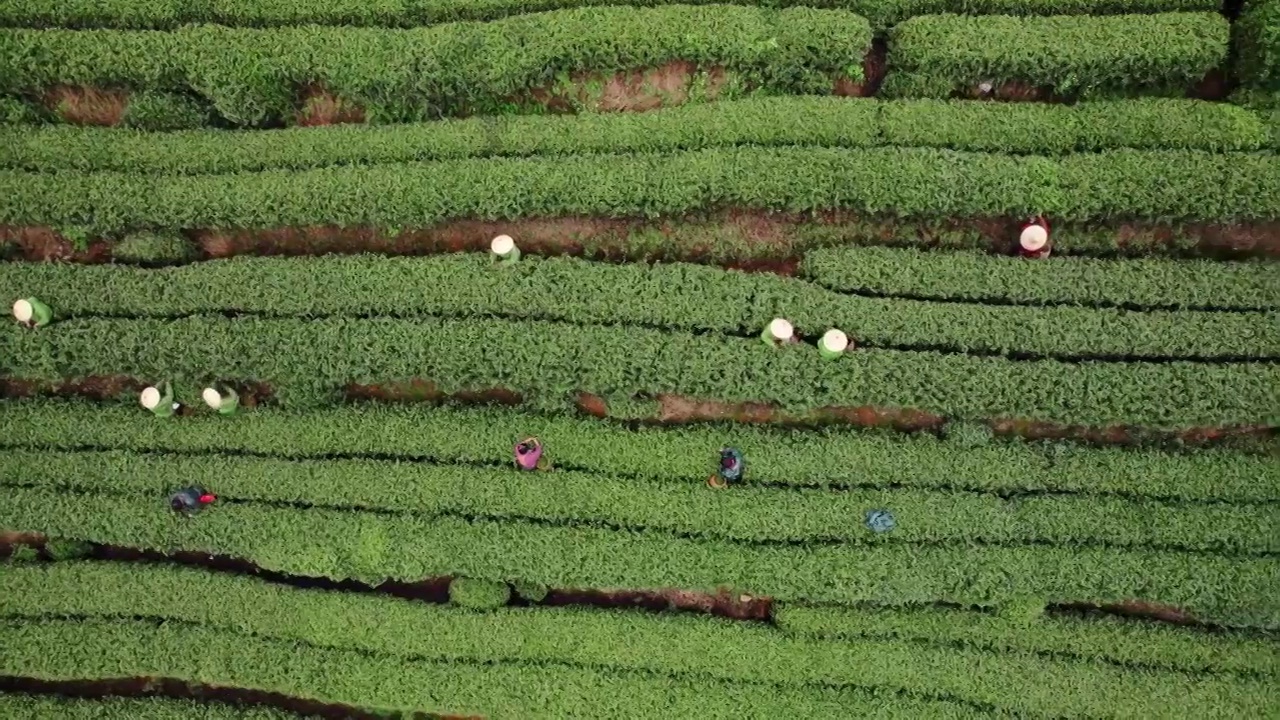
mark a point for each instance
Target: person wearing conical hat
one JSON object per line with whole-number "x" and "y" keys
{"x": 32, "y": 313}
{"x": 1033, "y": 239}
{"x": 504, "y": 250}
{"x": 159, "y": 400}
{"x": 833, "y": 344}
{"x": 779, "y": 332}
{"x": 224, "y": 402}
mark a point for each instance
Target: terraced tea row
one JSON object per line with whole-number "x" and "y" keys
{"x": 309, "y": 363}
{"x": 972, "y": 276}
{"x": 686, "y": 508}
{"x": 909, "y": 181}
{"x": 1151, "y": 123}
{"x": 676, "y": 297}
{"x": 938, "y": 55}
{"x": 371, "y": 546}
{"x": 207, "y": 611}
{"x": 820, "y": 458}
{"x": 34, "y": 707}
{"x": 169, "y": 14}
{"x": 252, "y": 76}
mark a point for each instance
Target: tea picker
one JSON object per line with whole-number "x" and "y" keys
{"x": 833, "y": 344}
{"x": 880, "y": 521}
{"x": 159, "y": 400}
{"x": 224, "y": 402}
{"x": 32, "y": 313}
{"x": 779, "y": 332}
{"x": 1033, "y": 239}
{"x": 529, "y": 455}
{"x": 729, "y": 470}
{"x": 191, "y": 500}
{"x": 504, "y": 250}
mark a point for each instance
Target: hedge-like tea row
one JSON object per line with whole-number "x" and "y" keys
{"x": 309, "y": 363}
{"x": 685, "y": 507}
{"x": 1257, "y": 36}
{"x": 1108, "y": 638}
{"x": 1136, "y": 282}
{"x": 1142, "y": 123}
{"x": 665, "y": 645}
{"x": 370, "y": 546}
{"x": 937, "y": 55}
{"x": 673, "y": 296}
{"x": 169, "y": 14}
{"x": 908, "y": 182}
{"x": 252, "y": 76}
{"x": 108, "y": 649}
{"x": 44, "y": 707}
{"x": 819, "y": 458}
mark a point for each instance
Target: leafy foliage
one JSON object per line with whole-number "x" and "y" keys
{"x": 164, "y": 111}
{"x": 169, "y": 14}
{"x": 673, "y": 296}
{"x": 153, "y": 248}
{"x": 309, "y": 362}
{"x": 937, "y": 54}
{"x": 1111, "y": 639}
{"x": 503, "y": 691}
{"x": 671, "y": 647}
{"x": 479, "y": 594}
{"x": 909, "y": 182}
{"x": 973, "y": 276}
{"x": 327, "y": 542}
{"x": 681, "y": 507}
{"x": 831, "y": 457}
{"x": 53, "y": 707}
{"x": 251, "y": 76}
{"x": 761, "y": 121}
{"x": 1257, "y": 36}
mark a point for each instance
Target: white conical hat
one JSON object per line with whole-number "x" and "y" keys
{"x": 23, "y": 311}
{"x": 150, "y": 398}
{"x": 781, "y": 329}
{"x": 1034, "y": 237}
{"x": 835, "y": 340}
{"x": 502, "y": 245}
{"x": 212, "y": 398}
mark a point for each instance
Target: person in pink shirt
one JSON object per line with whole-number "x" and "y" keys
{"x": 529, "y": 455}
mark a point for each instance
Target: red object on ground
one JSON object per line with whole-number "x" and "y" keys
{"x": 1027, "y": 246}
{"x": 207, "y": 498}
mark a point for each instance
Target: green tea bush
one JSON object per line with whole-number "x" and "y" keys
{"x": 153, "y": 248}
{"x": 478, "y": 594}
{"x": 1132, "y": 282}
{"x": 531, "y": 591}
{"x": 907, "y": 182}
{"x": 308, "y": 363}
{"x": 935, "y": 55}
{"x": 667, "y": 296}
{"x": 681, "y": 506}
{"x": 156, "y": 111}
{"x": 1257, "y": 38}
{"x": 67, "y": 549}
{"x": 830, "y": 458}
{"x": 1023, "y": 128}
{"x": 424, "y": 73}
{"x": 169, "y": 14}
{"x": 1228, "y": 589}
{"x": 53, "y": 707}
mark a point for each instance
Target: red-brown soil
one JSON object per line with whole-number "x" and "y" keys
{"x": 874, "y": 66}
{"x": 636, "y": 90}
{"x": 106, "y": 387}
{"x": 743, "y": 239}
{"x": 81, "y": 105}
{"x": 723, "y": 603}
{"x": 679, "y": 410}
{"x": 1011, "y": 91}
{"x": 318, "y": 106}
